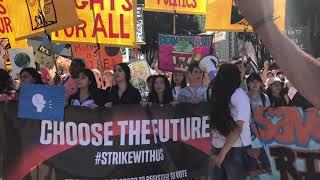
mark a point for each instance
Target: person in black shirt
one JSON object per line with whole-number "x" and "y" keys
{"x": 123, "y": 92}
{"x": 161, "y": 91}
{"x": 88, "y": 94}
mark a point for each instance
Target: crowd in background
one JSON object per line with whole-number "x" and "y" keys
{"x": 269, "y": 88}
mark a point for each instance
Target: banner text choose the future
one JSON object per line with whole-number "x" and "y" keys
{"x": 141, "y": 131}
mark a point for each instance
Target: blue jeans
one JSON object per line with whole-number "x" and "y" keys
{"x": 232, "y": 168}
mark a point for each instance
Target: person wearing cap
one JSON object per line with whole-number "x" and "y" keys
{"x": 255, "y": 92}
{"x": 277, "y": 94}
{"x": 295, "y": 63}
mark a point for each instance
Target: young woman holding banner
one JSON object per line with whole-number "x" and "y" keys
{"x": 88, "y": 92}
{"x": 161, "y": 92}
{"x": 123, "y": 92}
{"x": 230, "y": 125}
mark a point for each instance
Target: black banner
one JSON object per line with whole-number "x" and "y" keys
{"x": 125, "y": 142}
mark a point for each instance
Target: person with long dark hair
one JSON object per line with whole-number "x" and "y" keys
{"x": 178, "y": 82}
{"x": 87, "y": 94}
{"x": 27, "y": 75}
{"x": 123, "y": 92}
{"x": 30, "y": 75}
{"x": 161, "y": 92}
{"x": 145, "y": 95}
{"x": 276, "y": 92}
{"x": 230, "y": 125}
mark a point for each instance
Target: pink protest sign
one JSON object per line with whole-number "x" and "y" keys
{"x": 177, "y": 52}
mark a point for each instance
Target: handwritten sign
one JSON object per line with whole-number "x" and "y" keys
{"x": 177, "y": 52}
{"x": 177, "y": 6}
{"x": 140, "y": 71}
{"x": 224, "y": 15}
{"x": 301, "y": 37}
{"x": 102, "y": 21}
{"x": 109, "y": 56}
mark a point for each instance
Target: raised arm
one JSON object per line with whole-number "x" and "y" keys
{"x": 300, "y": 68}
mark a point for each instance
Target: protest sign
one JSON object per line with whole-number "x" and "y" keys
{"x": 163, "y": 142}
{"x": 140, "y": 71}
{"x": 41, "y": 102}
{"x": 177, "y": 52}
{"x": 89, "y": 52}
{"x": 109, "y": 56}
{"x": 4, "y": 55}
{"x": 219, "y": 36}
{"x": 44, "y": 56}
{"x": 140, "y": 25}
{"x": 6, "y": 26}
{"x": 33, "y": 17}
{"x": 301, "y": 36}
{"x": 21, "y": 58}
{"x": 224, "y": 15}
{"x": 98, "y": 144}
{"x": 106, "y": 22}
{"x": 63, "y": 63}
{"x": 292, "y": 136}
{"x": 177, "y": 6}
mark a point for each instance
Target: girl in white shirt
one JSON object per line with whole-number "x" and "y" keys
{"x": 178, "y": 82}
{"x": 230, "y": 125}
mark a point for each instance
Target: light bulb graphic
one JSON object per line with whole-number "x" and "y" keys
{"x": 39, "y": 102}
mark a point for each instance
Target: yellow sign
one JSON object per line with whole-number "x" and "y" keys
{"x": 177, "y": 6}
{"x": 223, "y": 15}
{"x": 103, "y": 21}
{"x": 33, "y": 17}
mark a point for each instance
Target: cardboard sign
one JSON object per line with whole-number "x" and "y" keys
{"x": 104, "y": 21}
{"x": 4, "y": 55}
{"x": 63, "y": 63}
{"x": 32, "y": 17}
{"x": 301, "y": 36}
{"x": 224, "y": 15}
{"x": 41, "y": 102}
{"x": 109, "y": 56}
{"x": 6, "y": 26}
{"x": 177, "y": 6}
{"x": 21, "y": 58}
{"x": 44, "y": 56}
{"x": 177, "y": 52}
{"x": 140, "y": 71}
{"x": 140, "y": 25}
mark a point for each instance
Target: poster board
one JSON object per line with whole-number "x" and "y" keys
{"x": 21, "y": 58}
{"x": 224, "y": 15}
{"x": 106, "y": 22}
{"x": 177, "y": 6}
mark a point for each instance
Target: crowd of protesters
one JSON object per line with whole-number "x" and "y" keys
{"x": 269, "y": 88}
